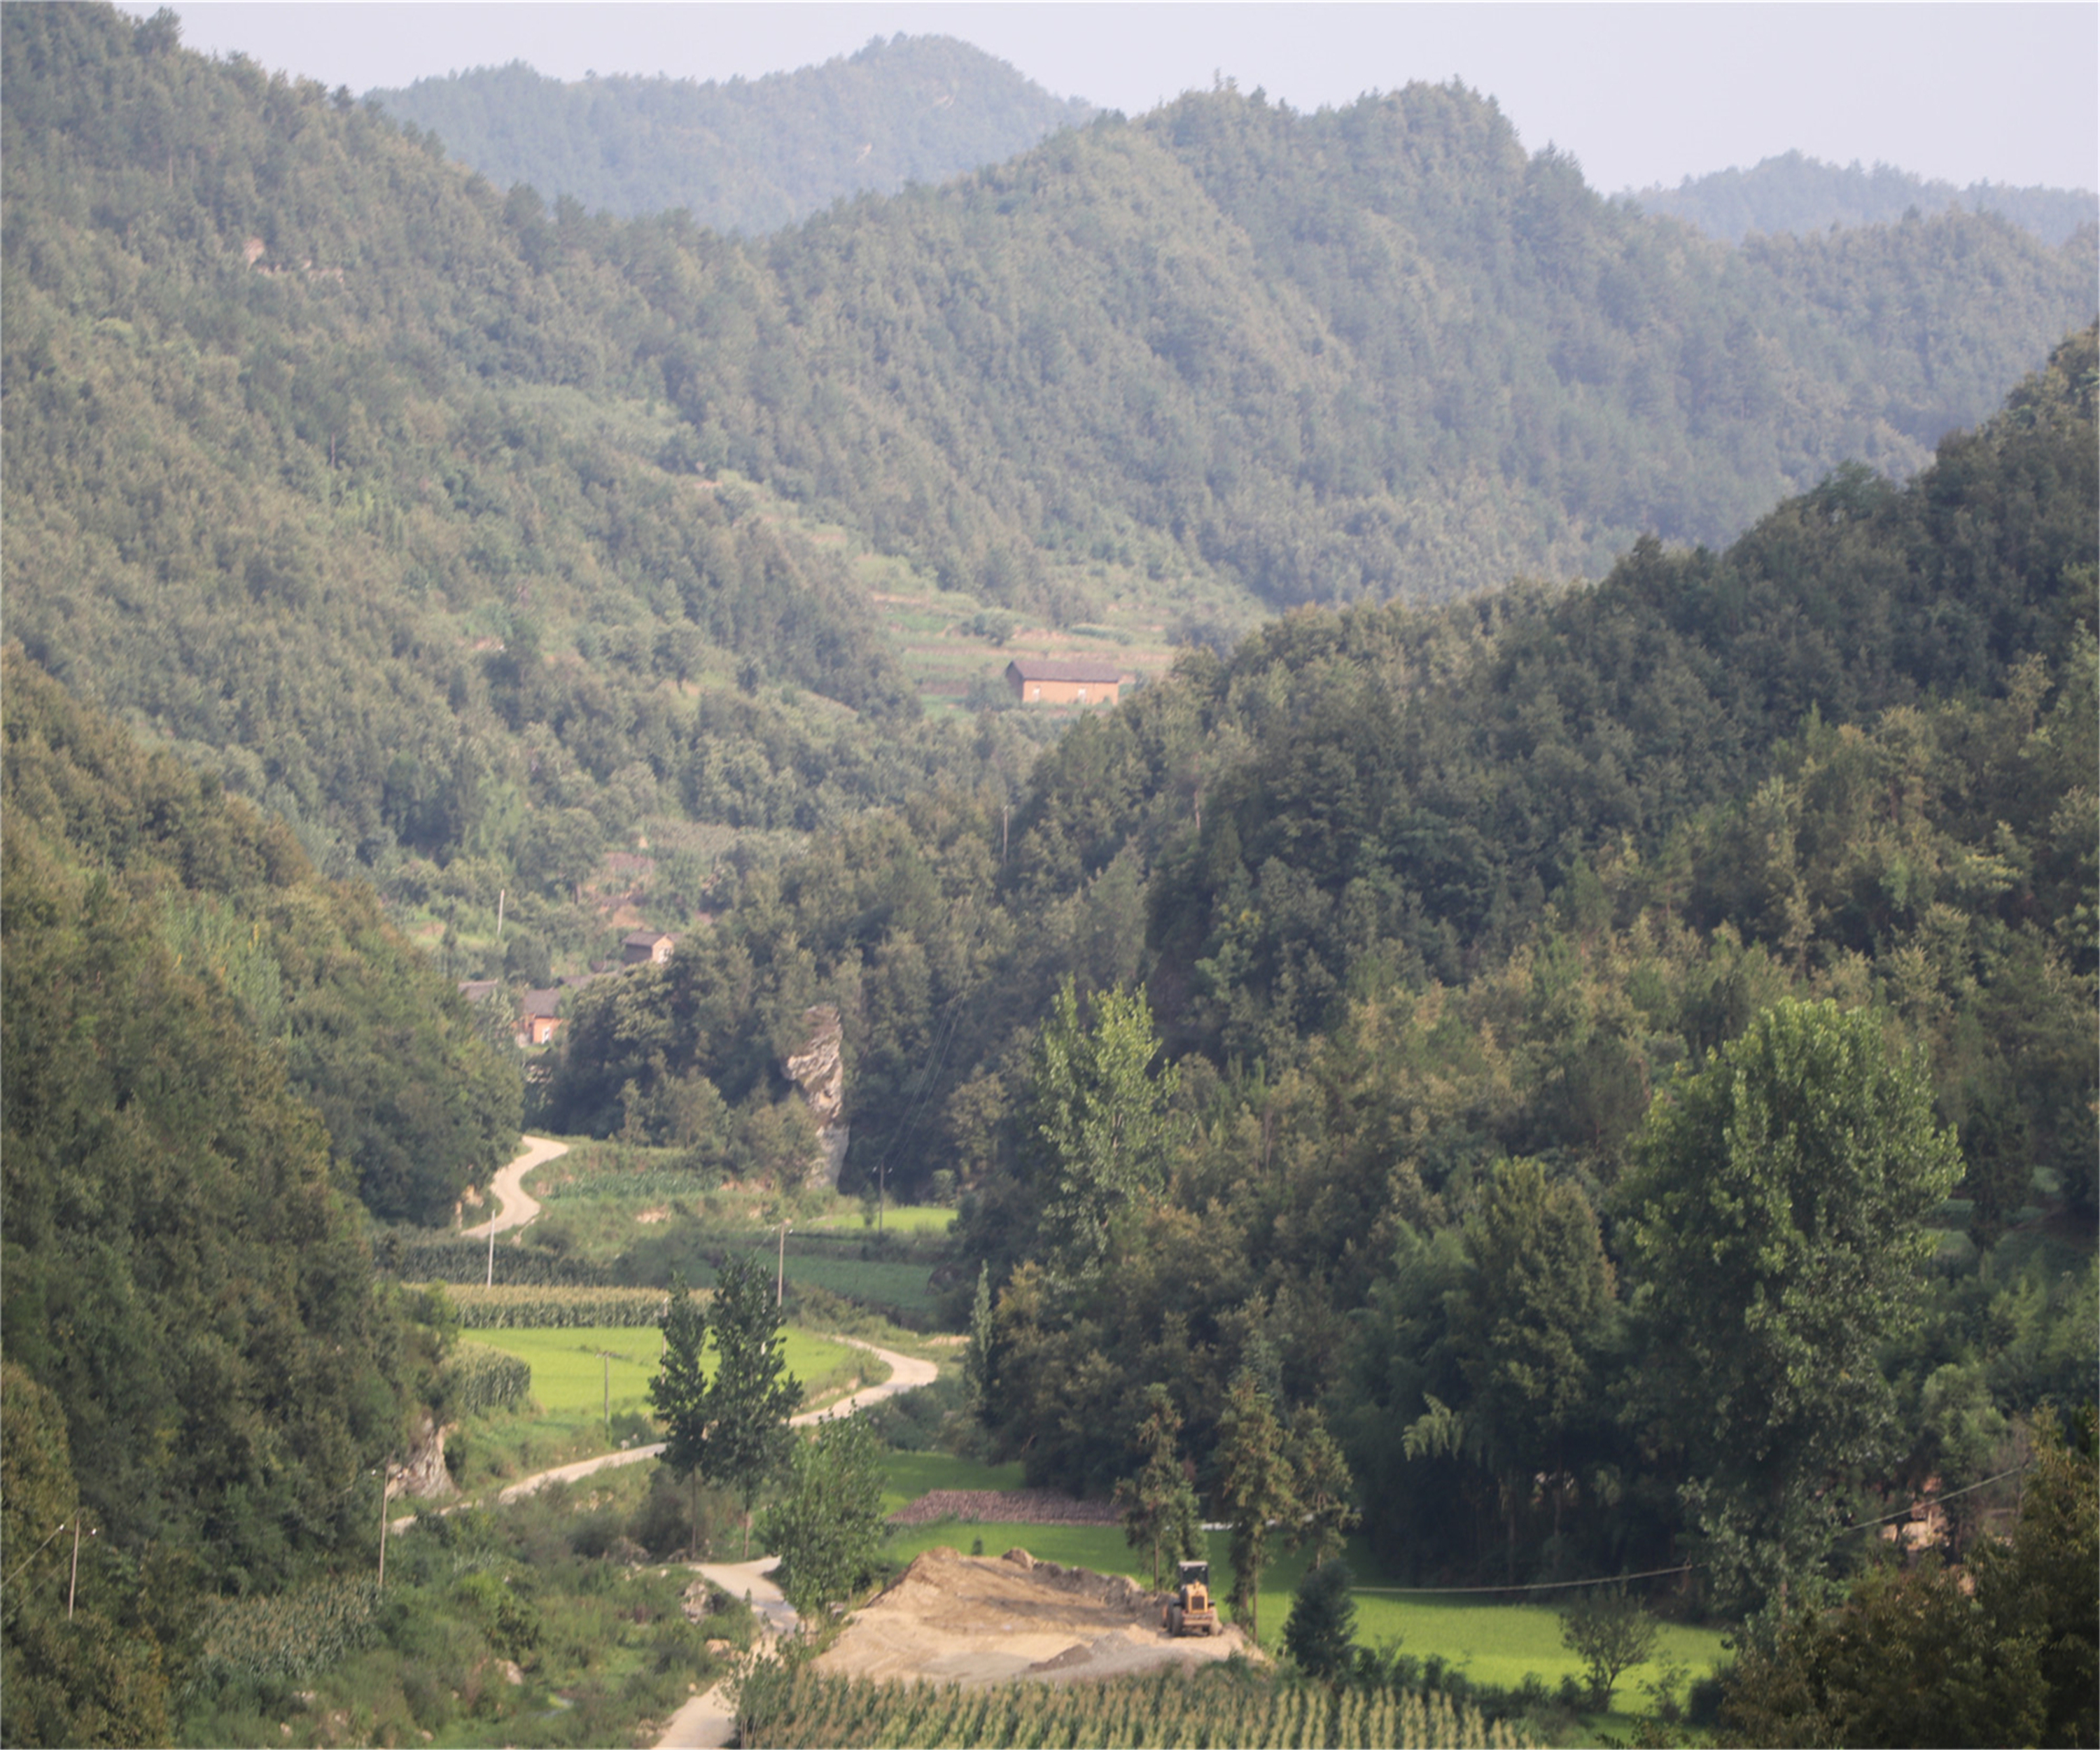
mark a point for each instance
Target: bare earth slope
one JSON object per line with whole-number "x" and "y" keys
{"x": 981, "y": 1620}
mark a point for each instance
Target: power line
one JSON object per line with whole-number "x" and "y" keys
{"x": 1686, "y": 1567}
{"x": 1538, "y": 1585}
{"x": 1933, "y": 1501}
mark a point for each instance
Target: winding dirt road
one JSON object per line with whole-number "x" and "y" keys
{"x": 514, "y": 1207}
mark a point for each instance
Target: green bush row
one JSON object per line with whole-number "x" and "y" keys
{"x": 479, "y": 1380}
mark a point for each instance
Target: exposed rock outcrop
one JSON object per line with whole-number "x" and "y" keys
{"x": 818, "y": 1071}
{"x": 424, "y": 1477}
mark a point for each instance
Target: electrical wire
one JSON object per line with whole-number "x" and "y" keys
{"x": 1686, "y": 1567}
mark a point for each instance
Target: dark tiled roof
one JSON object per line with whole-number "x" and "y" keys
{"x": 647, "y": 938}
{"x": 479, "y": 989}
{"x": 1043, "y": 669}
{"x": 539, "y": 1004}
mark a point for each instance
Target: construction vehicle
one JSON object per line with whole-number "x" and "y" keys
{"x": 1190, "y": 1611}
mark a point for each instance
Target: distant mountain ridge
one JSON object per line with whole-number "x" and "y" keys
{"x": 1794, "y": 192}
{"x": 747, "y": 155}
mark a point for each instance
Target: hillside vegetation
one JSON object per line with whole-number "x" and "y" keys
{"x": 741, "y": 155}
{"x": 419, "y": 512}
{"x": 1599, "y": 1077}
{"x": 211, "y": 1055}
{"x": 1428, "y": 909}
{"x": 1794, "y": 192}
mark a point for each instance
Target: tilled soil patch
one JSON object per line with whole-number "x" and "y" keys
{"x": 1011, "y": 1506}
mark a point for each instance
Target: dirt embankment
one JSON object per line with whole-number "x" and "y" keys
{"x": 985, "y": 1619}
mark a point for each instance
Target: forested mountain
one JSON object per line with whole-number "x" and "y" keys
{"x": 745, "y": 156}
{"x": 414, "y": 510}
{"x": 211, "y": 1054}
{"x": 1794, "y": 192}
{"x": 1429, "y": 907}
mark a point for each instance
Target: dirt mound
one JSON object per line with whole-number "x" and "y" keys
{"x": 985, "y": 1619}
{"x": 1010, "y": 1506}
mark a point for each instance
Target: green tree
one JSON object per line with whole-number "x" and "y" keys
{"x": 1160, "y": 1511}
{"x": 1319, "y": 1633}
{"x": 752, "y": 1395}
{"x": 1257, "y": 1485}
{"x": 827, "y": 1525}
{"x": 1099, "y": 1120}
{"x": 679, "y": 1393}
{"x": 977, "y": 1355}
{"x": 1607, "y": 1629}
{"x": 1324, "y": 1485}
{"x": 1527, "y": 1325}
{"x": 1776, "y": 1218}
{"x": 2005, "y": 1654}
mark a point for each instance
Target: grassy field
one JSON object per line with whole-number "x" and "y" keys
{"x": 1491, "y": 1642}
{"x": 906, "y": 1476}
{"x": 569, "y": 1376}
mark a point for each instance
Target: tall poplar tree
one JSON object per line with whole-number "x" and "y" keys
{"x": 752, "y": 1396}
{"x": 1777, "y": 1216}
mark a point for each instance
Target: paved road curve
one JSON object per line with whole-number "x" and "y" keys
{"x": 515, "y": 1209}
{"x": 906, "y": 1373}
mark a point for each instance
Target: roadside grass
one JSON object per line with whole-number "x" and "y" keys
{"x": 605, "y": 1651}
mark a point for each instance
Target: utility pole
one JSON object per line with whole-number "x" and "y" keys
{"x": 382, "y": 1524}
{"x": 491, "y": 1283}
{"x": 73, "y": 1585}
{"x": 501, "y": 892}
{"x": 1005, "y": 816}
{"x": 608, "y": 1360}
{"x": 780, "y": 1282}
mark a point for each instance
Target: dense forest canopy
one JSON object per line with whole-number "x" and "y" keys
{"x": 414, "y": 507}
{"x": 1796, "y": 193}
{"x": 744, "y": 156}
{"x": 211, "y": 1055}
{"x": 1382, "y": 1026}
{"x": 1417, "y": 894}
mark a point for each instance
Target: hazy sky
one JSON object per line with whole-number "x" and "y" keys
{"x": 1641, "y": 94}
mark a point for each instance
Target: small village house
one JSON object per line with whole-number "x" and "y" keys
{"x": 1044, "y": 680}
{"x": 540, "y": 1021}
{"x": 647, "y": 948}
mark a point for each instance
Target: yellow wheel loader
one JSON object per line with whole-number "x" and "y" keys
{"x": 1190, "y": 1611}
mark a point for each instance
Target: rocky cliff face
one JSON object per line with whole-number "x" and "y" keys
{"x": 424, "y": 1477}
{"x": 818, "y": 1071}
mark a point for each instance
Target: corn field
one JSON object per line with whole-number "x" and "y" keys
{"x": 779, "y": 1706}
{"x": 507, "y": 1306}
{"x": 479, "y": 1379}
{"x": 292, "y": 1635}
{"x": 417, "y": 1255}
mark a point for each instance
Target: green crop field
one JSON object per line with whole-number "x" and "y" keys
{"x": 869, "y": 1280}
{"x": 568, "y": 1375}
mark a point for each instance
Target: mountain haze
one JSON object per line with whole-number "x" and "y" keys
{"x": 745, "y": 154}
{"x": 413, "y": 508}
{"x": 1794, "y": 192}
